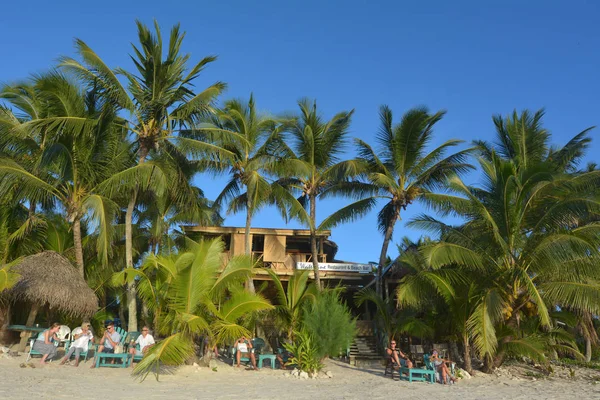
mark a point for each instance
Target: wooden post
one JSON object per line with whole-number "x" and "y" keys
{"x": 25, "y": 335}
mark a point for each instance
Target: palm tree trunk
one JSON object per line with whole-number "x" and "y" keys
{"x": 588, "y": 349}
{"x": 78, "y": 246}
{"x": 313, "y": 240}
{"x": 131, "y": 290}
{"x": 467, "y": 354}
{"x": 248, "y": 245}
{"x": 383, "y": 255}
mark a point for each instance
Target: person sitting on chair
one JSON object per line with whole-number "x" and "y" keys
{"x": 244, "y": 349}
{"x": 109, "y": 341}
{"x": 80, "y": 344}
{"x": 441, "y": 366}
{"x": 145, "y": 341}
{"x": 397, "y": 356}
{"x": 284, "y": 355}
{"x": 45, "y": 343}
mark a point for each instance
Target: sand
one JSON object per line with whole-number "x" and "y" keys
{"x": 188, "y": 382}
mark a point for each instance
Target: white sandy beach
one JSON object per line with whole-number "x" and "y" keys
{"x": 57, "y": 382}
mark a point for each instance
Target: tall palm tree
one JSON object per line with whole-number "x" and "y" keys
{"x": 73, "y": 163}
{"x": 401, "y": 171}
{"x": 252, "y": 139}
{"x": 520, "y": 240}
{"x": 159, "y": 101}
{"x": 312, "y": 167}
{"x": 522, "y": 139}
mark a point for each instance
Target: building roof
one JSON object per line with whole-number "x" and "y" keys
{"x": 223, "y": 230}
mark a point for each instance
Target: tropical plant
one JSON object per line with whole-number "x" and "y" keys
{"x": 160, "y": 102}
{"x": 329, "y": 319}
{"x": 521, "y": 240}
{"x": 77, "y": 159}
{"x": 312, "y": 167}
{"x": 191, "y": 295}
{"x": 305, "y": 352}
{"x": 401, "y": 171}
{"x": 290, "y": 301}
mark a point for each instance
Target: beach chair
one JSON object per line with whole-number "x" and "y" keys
{"x": 390, "y": 367}
{"x": 257, "y": 345}
{"x": 438, "y": 375}
{"x": 417, "y": 352}
{"x": 64, "y": 333}
{"x": 32, "y": 352}
{"x": 131, "y": 337}
{"x": 68, "y": 343}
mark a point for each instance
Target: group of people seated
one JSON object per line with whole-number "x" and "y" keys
{"x": 399, "y": 359}
{"x": 47, "y": 342}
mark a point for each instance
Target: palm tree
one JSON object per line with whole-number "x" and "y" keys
{"x": 423, "y": 286}
{"x": 196, "y": 298}
{"x": 520, "y": 241}
{"x": 401, "y": 171}
{"x": 72, "y": 163}
{"x": 252, "y": 139}
{"x": 314, "y": 169}
{"x": 160, "y": 101}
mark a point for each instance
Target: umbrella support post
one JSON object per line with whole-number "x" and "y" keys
{"x": 30, "y": 321}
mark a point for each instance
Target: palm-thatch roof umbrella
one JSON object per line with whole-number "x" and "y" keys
{"x": 49, "y": 279}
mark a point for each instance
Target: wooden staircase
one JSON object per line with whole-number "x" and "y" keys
{"x": 364, "y": 351}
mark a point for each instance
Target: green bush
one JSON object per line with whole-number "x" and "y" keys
{"x": 304, "y": 351}
{"x": 329, "y": 320}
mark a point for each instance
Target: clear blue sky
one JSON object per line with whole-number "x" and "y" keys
{"x": 473, "y": 58}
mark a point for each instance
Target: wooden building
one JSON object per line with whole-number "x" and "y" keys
{"x": 287, "y": 250}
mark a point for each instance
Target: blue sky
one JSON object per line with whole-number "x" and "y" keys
{"x": 472, "y": 58}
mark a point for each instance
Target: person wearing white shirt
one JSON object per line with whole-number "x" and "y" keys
{"x": 144, "y": 342}
{"x": 80, "y": 344}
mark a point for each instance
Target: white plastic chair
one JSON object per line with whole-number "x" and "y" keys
{"x": 64, "y": 333}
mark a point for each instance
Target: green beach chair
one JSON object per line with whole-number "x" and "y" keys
{"x": 32, "y": 352}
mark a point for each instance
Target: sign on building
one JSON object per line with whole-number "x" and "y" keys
{"x": 339, "y": 267}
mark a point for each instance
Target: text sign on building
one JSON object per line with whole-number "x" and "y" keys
{"x": 339, "y": 267}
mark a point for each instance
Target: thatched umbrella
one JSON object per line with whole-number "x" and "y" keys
{"x": 49, "y": 279}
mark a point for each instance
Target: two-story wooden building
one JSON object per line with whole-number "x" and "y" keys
{"x": 287, "y": 250}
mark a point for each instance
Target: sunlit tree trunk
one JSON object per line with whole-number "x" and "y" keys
{"x": 313, "y": 240}
{"x": 248, "y": 244}
{"x": 78, "y": 246}
{"x": 383, "y": 255}
{"x": 131, "y": 289}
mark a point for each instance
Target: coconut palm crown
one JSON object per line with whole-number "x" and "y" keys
{"x": 400, "y": 170}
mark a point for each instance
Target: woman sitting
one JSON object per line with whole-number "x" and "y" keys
{"x": 397, "y": 356}
{"x": 44, "y": 343}
{"x": 441, "y": 366}
{"x": 80, "y": 344}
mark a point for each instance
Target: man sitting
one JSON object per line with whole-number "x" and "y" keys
{"x": 109, "y": 341}
{"x": 244, "y": 349}
{"x": 144, "y": 341}
{"x": 397, "y": 356}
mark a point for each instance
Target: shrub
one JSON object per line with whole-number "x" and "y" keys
{"x": 305, "y": 352}
{"x": 329, "y": 320}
